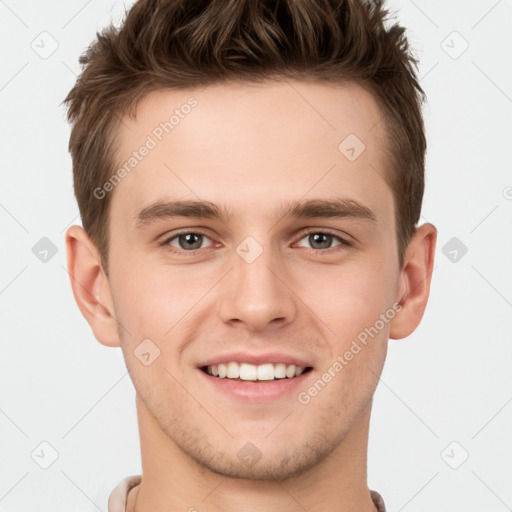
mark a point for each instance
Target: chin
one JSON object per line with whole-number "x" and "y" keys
{"x": 276, "y": 461}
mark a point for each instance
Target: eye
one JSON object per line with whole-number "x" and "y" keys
{"x": 187, "y": 241}
{"x": 191, "y": 241}
{"x": 323, "y": 240}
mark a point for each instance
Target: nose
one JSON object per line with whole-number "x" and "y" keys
{"x": 254, "y": 295}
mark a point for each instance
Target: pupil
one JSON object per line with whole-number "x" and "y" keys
{"x": 190, "y": 241}
{"x": 322, "y": 239}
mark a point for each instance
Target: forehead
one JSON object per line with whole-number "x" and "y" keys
{"x": 247, "y": 144}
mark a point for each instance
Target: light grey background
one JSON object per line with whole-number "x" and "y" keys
{"x": 446, "y": 390}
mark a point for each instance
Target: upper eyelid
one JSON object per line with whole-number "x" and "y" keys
{"x": 167, "y": 239}
{"x": 323, "y": 231}
{"x": 308, "y": 231}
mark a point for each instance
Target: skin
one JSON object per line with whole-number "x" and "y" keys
{"x": 251, "y": 149}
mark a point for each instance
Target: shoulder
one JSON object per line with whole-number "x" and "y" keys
{"x": 378, "y": 501}
{"x": 118, "y": 497}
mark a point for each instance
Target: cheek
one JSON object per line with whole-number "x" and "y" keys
{"x": 348, "y": 299}
{"x": 351, "y": 305}
{"x": 151, "y": 300}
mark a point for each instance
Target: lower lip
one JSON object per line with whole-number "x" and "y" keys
{"x": 256, "y": 391}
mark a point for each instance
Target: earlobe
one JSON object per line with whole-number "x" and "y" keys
{"x": 90, "y": 286}
{"x": 415, "y": 279}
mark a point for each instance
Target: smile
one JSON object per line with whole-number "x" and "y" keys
{"x": 250, "y": 372}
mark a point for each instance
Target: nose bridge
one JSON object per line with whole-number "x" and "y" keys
{"x": 253, "y": 295}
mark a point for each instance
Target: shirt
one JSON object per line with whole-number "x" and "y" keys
{"x": 119, "y": 496}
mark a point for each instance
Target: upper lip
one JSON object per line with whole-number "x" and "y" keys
{"x": 256, "y": 358}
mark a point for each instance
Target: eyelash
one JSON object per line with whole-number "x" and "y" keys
{"x": 343, "y": 242}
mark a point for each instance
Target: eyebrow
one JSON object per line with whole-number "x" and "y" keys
{"x": 337, "y": 208}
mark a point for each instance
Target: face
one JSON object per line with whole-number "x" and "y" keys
{"x": 253, "y": 231}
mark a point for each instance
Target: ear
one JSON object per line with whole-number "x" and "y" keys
{"x": 90, "y": 286}
{"x": 414, "y": 288}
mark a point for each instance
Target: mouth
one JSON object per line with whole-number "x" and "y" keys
{"x": 246, "y": 372}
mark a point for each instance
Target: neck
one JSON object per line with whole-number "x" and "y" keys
{"x": 173, "y": 481}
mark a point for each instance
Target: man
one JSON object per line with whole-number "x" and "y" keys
{"x": 250, "y": 176}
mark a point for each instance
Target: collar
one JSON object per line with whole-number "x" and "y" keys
{"x": 119, "y": 496}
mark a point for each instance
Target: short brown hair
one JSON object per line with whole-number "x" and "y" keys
{"x": 187, "y": 43}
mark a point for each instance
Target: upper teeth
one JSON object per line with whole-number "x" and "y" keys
{"x": 246, "y": 371}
